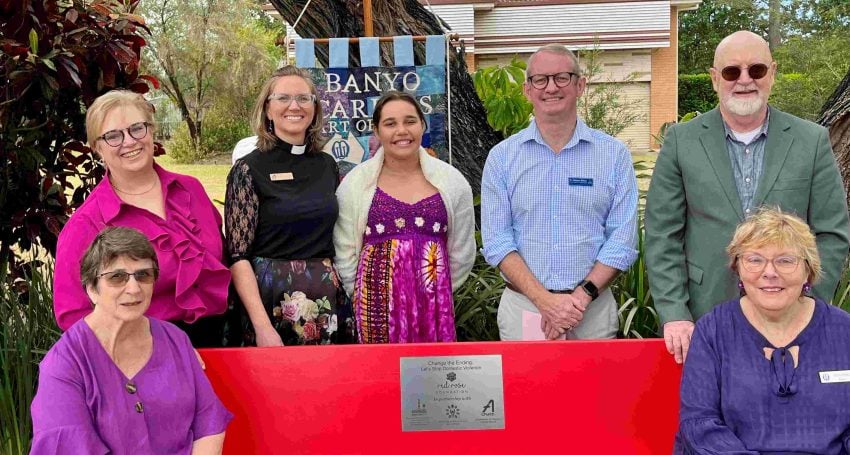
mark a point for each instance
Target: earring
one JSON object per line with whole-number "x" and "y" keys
{"x": 741, "y": 288}
{"x": 807, "y": 288}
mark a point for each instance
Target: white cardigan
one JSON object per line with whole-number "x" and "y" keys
{"x": 355, "y": 195}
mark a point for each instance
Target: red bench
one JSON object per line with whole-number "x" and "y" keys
{"x": 593, "y": 397}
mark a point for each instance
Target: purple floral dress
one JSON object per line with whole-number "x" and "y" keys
{"x": 403, "y": 290}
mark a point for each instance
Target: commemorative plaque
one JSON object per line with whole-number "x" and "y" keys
{"x": 452, "y": 393}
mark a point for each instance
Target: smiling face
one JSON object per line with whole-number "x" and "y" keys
{"x": 291, "y": 120}
{"x": 132, "y": 155}
{"x": 744, "y": 97}
{"x": 400, "y": 130}
{"x": 553, "y": 101}
{"x": 772, "y": 290}
{"x": 127, "y": 302}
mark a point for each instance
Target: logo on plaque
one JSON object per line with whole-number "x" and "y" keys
{"x": 489, "y": 409}
{"x": 452, "y": 412}
{"x": 420, "y": 408}
{"x": 451, "y": 377}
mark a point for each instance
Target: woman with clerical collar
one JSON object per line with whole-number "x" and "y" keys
{"x": 280, "y": 210}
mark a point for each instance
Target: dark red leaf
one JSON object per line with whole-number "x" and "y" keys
{"x": 140, "y": 87}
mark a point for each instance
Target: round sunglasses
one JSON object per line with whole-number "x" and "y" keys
{"x": 732, "y": 73}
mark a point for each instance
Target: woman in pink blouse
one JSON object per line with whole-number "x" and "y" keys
{"x": 172, "y": 210}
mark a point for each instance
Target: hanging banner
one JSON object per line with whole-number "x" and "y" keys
{"x": 348, "y": 96}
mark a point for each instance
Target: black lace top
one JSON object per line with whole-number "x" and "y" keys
{"x": 281, "y": 206}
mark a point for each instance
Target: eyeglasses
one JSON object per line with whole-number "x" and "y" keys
{"x": 119, "y": 278}
{"x": 541, "y": 81}
{"x": 756, "y": 263}
{"x": 285, "y": 98}
{"x": 732, "y": 73}
{"x": 115, "y": 138}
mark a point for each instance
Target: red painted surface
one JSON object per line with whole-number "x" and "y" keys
{"x": 591, "y": 397}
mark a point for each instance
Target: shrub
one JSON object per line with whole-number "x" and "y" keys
{"x": 500, "y": 90}
{"x": 696, "y": 93}
{"x": 477, "y": 301}
{"x": 55, "y": 59}
{"x": 26, "y": 333}
{"x": 792, "y": 93}
{"x": 221, "y": 132}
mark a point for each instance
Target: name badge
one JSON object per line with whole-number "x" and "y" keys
{"x": 281, "y": 176}
{"x": 834, "y": 377}
{"x": 578, "y": 181}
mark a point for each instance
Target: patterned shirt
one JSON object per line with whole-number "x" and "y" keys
{"x": 561, "y": 212}
{"x": 747, "y": 163}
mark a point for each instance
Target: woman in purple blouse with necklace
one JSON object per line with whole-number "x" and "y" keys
{"x": 769, "y": 373}
{"x": 404, "y": 238}
{"x": 118, "y": 382}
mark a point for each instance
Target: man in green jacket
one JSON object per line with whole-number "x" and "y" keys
{"x": 718, "y": 169}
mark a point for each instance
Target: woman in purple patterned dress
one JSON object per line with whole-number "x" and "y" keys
{"x": 404, "y": 238}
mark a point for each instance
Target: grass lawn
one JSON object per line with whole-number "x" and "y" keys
{"x": 212, "y": 176}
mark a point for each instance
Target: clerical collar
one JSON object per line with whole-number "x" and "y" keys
{"x": 299, "y": 149}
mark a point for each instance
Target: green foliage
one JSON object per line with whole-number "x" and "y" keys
{"x": 26, "y": 333}
{"x": 810, "y": 69}
{"x": 696, "y": 93}
{"x": 636, "y": 312}
{"x": 701, "y": 30}
{"x": 222, "y": 132}
{"x": 477, "y": 301}
{"x": 842, "y": 294}
{"x": 500, "y": 89}
{"x": 56, "y": 58}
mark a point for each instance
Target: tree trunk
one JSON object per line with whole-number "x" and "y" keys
{"x": 472, "y": 136}
{"x": 835, "y": 115}
{"x": 774, "y": 35}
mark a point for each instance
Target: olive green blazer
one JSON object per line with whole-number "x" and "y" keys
{"x": 693, "y": 208}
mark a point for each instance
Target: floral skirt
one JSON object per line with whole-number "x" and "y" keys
{"x": 304, "y": 300}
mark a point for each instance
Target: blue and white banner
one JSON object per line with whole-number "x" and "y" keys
{"x": 348, "y": 95}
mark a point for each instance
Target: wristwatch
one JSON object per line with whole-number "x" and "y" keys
{"x": 590, "y": 289}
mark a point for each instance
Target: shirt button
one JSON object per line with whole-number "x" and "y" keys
{"x": 139, "y": 407}
{"x": 748, "y": 210}
{"x": 131, "y": 388}
{"x": 746, "y": 150}
{"x": 747, "y": 180}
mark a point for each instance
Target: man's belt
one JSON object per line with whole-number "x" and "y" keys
{"x": 553, "y": 291}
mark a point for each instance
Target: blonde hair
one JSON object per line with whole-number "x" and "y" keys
{"x": 261, "y": 124}
{"x": 773, "y": 227}
{"x": 558, "y": 49}
{"x": 104, "y": 104}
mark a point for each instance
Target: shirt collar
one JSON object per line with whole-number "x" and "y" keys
{"x": 581, "y": 133}
{"x": 109, "y": 202}
{"x": 762, "y": 132}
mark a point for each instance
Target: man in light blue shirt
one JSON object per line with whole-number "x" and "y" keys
{"x": 558, "y": 212}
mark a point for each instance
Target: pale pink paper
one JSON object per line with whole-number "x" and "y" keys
{"x": 531, "y": 327}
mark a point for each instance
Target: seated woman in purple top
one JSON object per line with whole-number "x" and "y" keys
{"x": 118, "y": 382}
{"x": 172, "y": 210}
{"x": 769, "y": 373}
